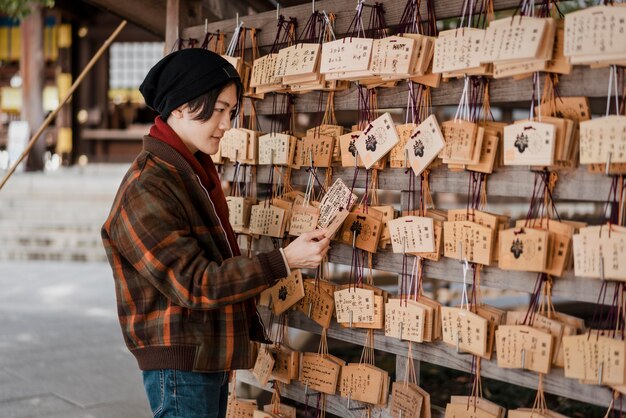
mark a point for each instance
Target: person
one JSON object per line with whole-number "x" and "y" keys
{"x": 185, "y": 295}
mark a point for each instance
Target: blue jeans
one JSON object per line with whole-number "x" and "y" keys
{"x": 178, "y": 394}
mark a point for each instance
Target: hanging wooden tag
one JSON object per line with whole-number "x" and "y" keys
{"x": 348, "y": 149}
{"x": 240, "y": 408}
{"x": 335, "y": 207}
{"x": 475, "y": 242}
{"x": 523, "y": 347}
{"x": 598, "y": 251}
{"x": 495, "y": 317}
{"x": 378, "y": 321}
{"x": 464, "y": 330}
{"x": 300, "y": 59}
{"x": 354, "y": 305}
{"x": 436, "y": 254}
{"x": 362, "y": 382}
{"x": 432, "y": 318}
{"x": 319, "y": 148}
{"x": 406, "y": 400}
{"x": 457, "y": 51}
{"x": 515, "y": 39}
{"x": 460, "y": 141}
{"x": 286, "y": 364}
{"x": 362, "y": 229}
{"x": 239, "y": 210}
{"x": 397, "y": 56}
{"x": 559, "y": 245}
{"x": 275, "y": 148}
{"x": 457, "y": 410}
{"x": 424, "y": 145}
{"x": 488, "y": 154}
{"x": 283, "y": 411}
{"x": 595, "y": 358}
{"x": 252, "y": 148}
{"x": 529, "y": 143}
{"x": 318, "y": 303}
{"x": 398, "y": 156}
{"x": 405, "y": 320}
{"x": 235, "y": 145}
{"x": 303, "y": 219}
{"x": 412, "y": 234}
{"x": 551, "y": 326}
{"x": 263, "y": 366}
{"x": 377, "y": 140}
{"x": 287, "y": 292}
{"x": 348, "y": 54}
{"x": 601, "y": 137}
{"x": 494, "y": 410}
{"x": 387, "y": 215}
{"x": 267, "y": 220}
{"x": 523, "y": 249}
{"x": 263, "y": 414}
{"x": 319, "y": 373}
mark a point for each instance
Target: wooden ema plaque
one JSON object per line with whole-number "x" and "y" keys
{"x": 281, "y": 411}
{"x": 240, "y": 408}
{"x": 531, "y": 413}
{"x": 276, "y": 148}
{"x": 354, "y": 305}
{"x": 377, "y": 140}
{"x": 412, "y": 234}
{"x": 495, "y": 317}
{"x": 286, "y": 364}
{"x": 378, "y": 320}
{"x": 529, "y": 143}
{"x": 349, "y": 153}
{"x": 267, "y": 220}
{"x": 494, "y": 410}
{"x": 523, "y": 347}
{"x": 457, "y": 51}
{"x": 603, "y": 140}
{"x": 462, "y": 142}
{"x": 541, "y": 322}
{"x": 595, "y": 358}
{"x": 287, "y": 292}
{"x": 348, "y": 54}
{"x": 319, "y": 373}
{"x": 316, "y": 149}
{"x": 599, "y": 253}
{"x": 318, "y": 303}
{"x": 239, "y": 209}
{"x": 362, "y": 227}
{"x": 364, "y": 382}
{"x": 405, "y": 320}
{"x": 469, "y": 241}
{"x": 407, "y": 400}
{"x": 523, "y": 249}
{"x": 424, "y": 144}
{"x": 263, "y": 366}
{"x": 398, "y": 157}
{"x": 457, "y": 410}
{"x": 304, "y": 218}
{"x": 464, "y": 330}
{"x": 335, "y": 207}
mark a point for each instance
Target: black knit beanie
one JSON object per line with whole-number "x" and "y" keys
{"x": 184, "y": 75}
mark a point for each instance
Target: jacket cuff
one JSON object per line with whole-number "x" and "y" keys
{"x": 273, "y": 265}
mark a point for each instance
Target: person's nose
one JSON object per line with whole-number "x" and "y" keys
{"x": 225, "y": 122}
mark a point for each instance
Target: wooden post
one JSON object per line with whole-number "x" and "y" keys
{"x": 180, "y": 14}
{"x": 32, "y": 67}
{"x": 65, "y": 143}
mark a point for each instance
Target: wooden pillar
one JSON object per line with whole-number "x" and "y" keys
{"x": 179, "y": 15}
{"x": 64, "y": 78}
{"x": 32, "y": 66}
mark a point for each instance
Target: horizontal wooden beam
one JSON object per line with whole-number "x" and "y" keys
{"x": 575, "y": 185}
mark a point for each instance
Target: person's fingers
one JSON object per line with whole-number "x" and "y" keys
{"x": 317, "y": 234}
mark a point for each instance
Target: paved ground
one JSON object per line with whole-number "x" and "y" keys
{"x": 61, "y": 349}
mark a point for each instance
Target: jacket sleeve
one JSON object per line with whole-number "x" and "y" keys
{"x": 151, "y": 233}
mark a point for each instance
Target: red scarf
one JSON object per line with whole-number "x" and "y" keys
{"x": 206, "y": 171}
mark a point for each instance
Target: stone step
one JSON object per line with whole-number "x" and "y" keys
{"x": 54, "y": 240}
{"x": 50, "y": 254}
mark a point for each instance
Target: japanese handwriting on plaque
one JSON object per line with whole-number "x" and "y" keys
{"x": 283, "y": 411}
{"x": 425, "y": 143}
{"x": 529, "y": 143}
{"x": 464, "y": 330}
{"x": 603, "y": 140}
{"x": 474, "y": 241}
{"x": 484, "y": 407}
{"x": 240, "y": 408}
{"x": 275, "y": 148}
{"x": 407, "y": 400}
{"x": 457, "y": 50}
{"x": 263, "y": 366}
{"x": 377, "y": 140}
{"x": 412, "y": 234}
{"x": 363, "y": 382}
{"x": 319, "y": 373}
{"x": 348, "y": 54}
{"x": 287, "y": 292}
{"x": 267, "y": 220}
{"x": 598, "y": 252}
{"x": 524, "y": 249}
{"x": 318, "y": 303}
{"x": 303, "y": 219}
{"x": 460, "y": 141}
{"x": 398, "y": 156}
{"x": 595, "y": 358}
{"x": 396, "y": 56}
{"x": 405, "y": 320}
{"x": 335, "y": 206}
{"x": 594, "y": 34}
{"x": 515, "y": 38}
{"x": 354, "y": 305}
{"x": 523, "y": 347}
{"x": 349, "y": 154}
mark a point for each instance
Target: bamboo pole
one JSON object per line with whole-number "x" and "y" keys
{"x": 52, "y": 115}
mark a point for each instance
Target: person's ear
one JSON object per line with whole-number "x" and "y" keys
{"x": 178, "y": 112}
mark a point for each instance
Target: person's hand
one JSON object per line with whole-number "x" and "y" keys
{"x": 308, "y": 250}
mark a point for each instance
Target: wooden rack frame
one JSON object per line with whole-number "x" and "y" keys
{"x": 575, "y": 185}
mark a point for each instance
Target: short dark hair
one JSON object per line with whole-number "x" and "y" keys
{"x": 202, "y": 107}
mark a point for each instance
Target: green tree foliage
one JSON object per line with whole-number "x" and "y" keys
{"x": 19, "y": 9}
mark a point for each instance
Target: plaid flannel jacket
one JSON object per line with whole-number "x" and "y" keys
{"x": 183, "y": 301}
